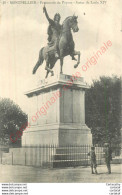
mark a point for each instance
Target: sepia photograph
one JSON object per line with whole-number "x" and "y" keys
{"x": 60, "y": 91}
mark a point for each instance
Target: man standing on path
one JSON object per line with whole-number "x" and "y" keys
{"x": 93, "y": 160}
{"x": 108, "y": 156}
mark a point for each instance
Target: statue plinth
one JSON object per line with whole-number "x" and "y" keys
{"x": 57, "y": 113}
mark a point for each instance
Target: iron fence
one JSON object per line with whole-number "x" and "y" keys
{"x": 55, "y": 156}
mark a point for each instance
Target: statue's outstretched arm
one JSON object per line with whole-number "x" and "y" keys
{"x": 47, "y": 16}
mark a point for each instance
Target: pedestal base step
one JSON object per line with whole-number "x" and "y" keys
{"x": 74, "y": 149}
{"x": 73, "y": 156}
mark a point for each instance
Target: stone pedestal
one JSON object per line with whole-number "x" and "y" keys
{"x": 57, "y": 113}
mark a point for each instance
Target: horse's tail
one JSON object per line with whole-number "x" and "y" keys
{"x": 39, "y": 62}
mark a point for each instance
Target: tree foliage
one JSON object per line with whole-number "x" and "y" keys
{"x": 11, "y": 118}
{"x": 103, "y": 109}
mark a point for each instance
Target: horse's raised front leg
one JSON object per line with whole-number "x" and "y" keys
{"x": 78, "y": 54}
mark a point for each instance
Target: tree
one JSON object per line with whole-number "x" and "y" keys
{"x": 11, "y": 119}
{"x": 103, "y": 109}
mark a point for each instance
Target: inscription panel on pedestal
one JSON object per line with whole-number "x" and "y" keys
{"x": 48, "y": 107}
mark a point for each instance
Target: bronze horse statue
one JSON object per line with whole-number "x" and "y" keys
{"x": 66, "y": 47}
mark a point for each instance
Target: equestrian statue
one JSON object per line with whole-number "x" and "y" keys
{"x": 60, "y": 43}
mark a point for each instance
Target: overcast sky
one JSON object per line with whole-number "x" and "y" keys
{"x": 23, "y": 32}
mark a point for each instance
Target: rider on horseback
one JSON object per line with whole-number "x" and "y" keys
{"x": 62, "y": 39}
{"x": 54, "y": 30}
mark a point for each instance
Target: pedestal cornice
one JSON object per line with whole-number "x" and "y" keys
{"x": 57, "y": 81}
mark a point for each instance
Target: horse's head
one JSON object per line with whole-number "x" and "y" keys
{"x": 74, "y": 24}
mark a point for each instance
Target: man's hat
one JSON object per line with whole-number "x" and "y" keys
{"x": 92, "y": 147}
{"x": 106, "y": 144}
